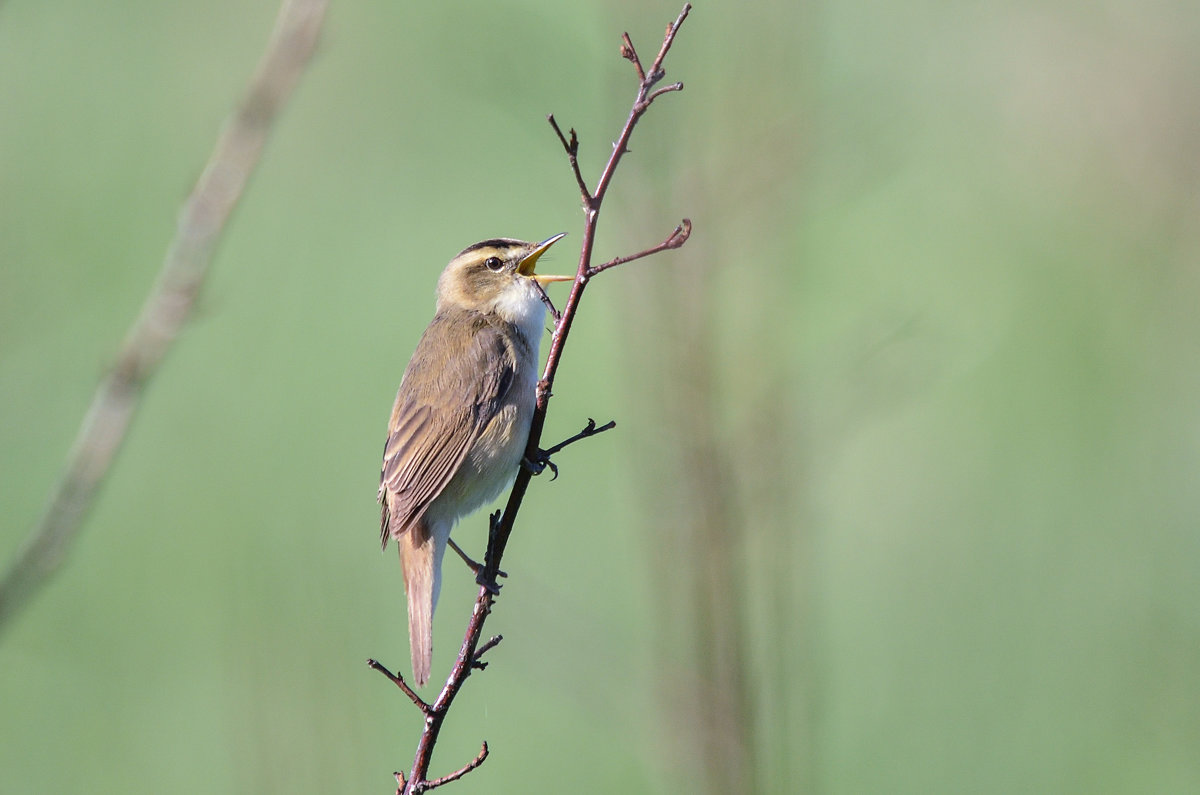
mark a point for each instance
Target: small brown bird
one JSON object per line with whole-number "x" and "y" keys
{"x": 460, "y": 423}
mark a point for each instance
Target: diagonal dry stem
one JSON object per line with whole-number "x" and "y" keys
{"x": 201, "y": 223}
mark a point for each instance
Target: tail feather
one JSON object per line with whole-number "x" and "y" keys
{"x": 417, "y": 548}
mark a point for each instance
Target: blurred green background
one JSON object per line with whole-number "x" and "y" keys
{"x": 904, "y": 491}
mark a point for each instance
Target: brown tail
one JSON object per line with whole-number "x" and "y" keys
{"x": 417, "y": 559}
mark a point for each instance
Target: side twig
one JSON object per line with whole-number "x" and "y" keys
{"x": 572, "y": 148}
{"x": 501, "y": 524}
{"x": 399, "y": 682}
{"x": 491, "y": 644}
{"x": 589, "y": 430}
{"x": 675, "y": 240}
{"x": 462, "y": 771}
{"x": 539, "y": 465}
{"x": 169, "y": 305}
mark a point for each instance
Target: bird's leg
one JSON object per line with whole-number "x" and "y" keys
{"x": 471, "y": 564}
{"x": 538, "y": 466}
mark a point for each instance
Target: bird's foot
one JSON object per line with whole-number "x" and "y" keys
{"x": 481, "y": 578}
{"x": 536, "y": 466}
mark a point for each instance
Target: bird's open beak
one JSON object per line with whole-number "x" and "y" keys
{"x": 526, "y": 266}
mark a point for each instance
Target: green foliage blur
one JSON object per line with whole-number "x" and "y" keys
{"x": 946, "y": 268}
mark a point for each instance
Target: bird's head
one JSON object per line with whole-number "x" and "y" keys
{"x": 496, "y": 276}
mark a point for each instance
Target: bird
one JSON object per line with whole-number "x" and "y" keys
{"x": 460, "y": 422}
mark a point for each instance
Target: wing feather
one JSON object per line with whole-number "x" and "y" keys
{"x": 448, "y": 395}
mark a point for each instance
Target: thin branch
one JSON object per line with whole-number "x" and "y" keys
{"x": 500, "y": 524}
{"x": 664, "y": 90}
{"x": 675, "y": 240}
{"x": 398, "y": 680}
{"x": 491, "y": 644}
{"x": 589, "y": 430}
{"x": 668, "y": 40}
{"x": 538, "y": 465}
{"x": 640, "y": 105}
{"x": 499, "y": 538}
{"x": 553, "y": 310}
{"x": 629, "y": 53}
{"x": 462, "y": 771}
{"x": 169, "y": 305}
{"x": 572, "y": 148}
{"x": 436, "y": 716}
{"x": 592, "y": 201}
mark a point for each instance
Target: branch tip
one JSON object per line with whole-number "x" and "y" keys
{"x": 630, "y": 54}
{"x": 680, "y": 235}
{"x": 494, "y": 641}
{"x": 664, "y": 90}
{"x": 668, "y": 40}
{"x": 572, "y": 149}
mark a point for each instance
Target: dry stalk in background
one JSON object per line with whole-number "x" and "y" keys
{"x": 169, "y": 305}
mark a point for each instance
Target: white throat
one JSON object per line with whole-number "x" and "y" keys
{"x": 521, "y": 304}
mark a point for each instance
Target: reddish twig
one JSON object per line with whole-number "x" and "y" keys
{"x": 491, "y": 644}
{"x": 591, "y": 206}
{"x": 446, "y": 779}
{"x": 572, "y": 148}
{"x": 462, "y": 771}
{"x": 501, "y": 523}
{"x": 399, "y": 682}
{"x": 630, "y": 54}
{"x": 674, "y": 240}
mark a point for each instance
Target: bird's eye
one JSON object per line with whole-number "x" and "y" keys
{"x": 493, "y": 263}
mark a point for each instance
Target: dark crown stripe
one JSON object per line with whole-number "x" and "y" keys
{"x": 496, "y": 242}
